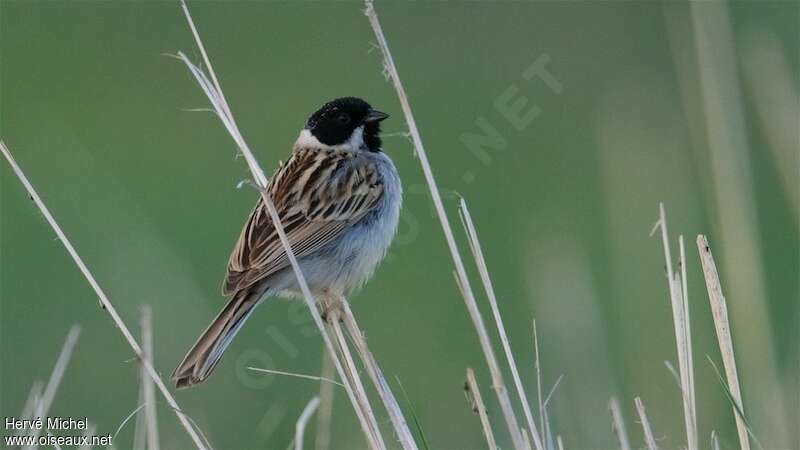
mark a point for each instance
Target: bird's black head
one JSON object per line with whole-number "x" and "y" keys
{"x": 347, "y": 120}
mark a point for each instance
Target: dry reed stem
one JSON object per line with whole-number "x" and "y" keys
{"x": 148, "y": 389}
{"x": 351, "y": 371}
{"x": 480, "y": 262}
{"x": 733, "y": 200}
{"x": 376, "y": 375}
{"x": 302, "y": 421}
{"x": 618, "y": 424}
{"x": 719, "y": 311}
{"x": 649, "y": 439}
{"x": 559, "y": 442}
{"x": 461, "y": 274}
{"x": 42, "y": 406}
{"x": 476, "y": 403}
{"x": 680, "y": 318}
{"x": 690, "y": 357}
{"x": 325, "y": 414}
{"x": 31, "y": 404}
{"x": 104, "y": 302}
{"x": 215, "y": 95}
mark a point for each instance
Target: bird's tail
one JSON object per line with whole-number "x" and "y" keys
{"x": 198, "y": 364}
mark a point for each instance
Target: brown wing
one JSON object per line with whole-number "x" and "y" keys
{"x": 317, "y": 193}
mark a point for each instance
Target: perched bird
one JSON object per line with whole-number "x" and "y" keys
{"x": 338, "y": 197}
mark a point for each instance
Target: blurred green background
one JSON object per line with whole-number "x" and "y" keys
{"x": 645, "y": 102}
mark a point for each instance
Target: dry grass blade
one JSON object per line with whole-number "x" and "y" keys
{"x": 353, "y": 379}
{"x": 475, "y": 400}
{"x": 483, "y": 270}
{"x": 323, "y": 379}
{"x": 323, "y": 438}
{"x": 302, "y": 421}
{"x": 31, "y": 403}
{"x": 106, "y": 304}
{"x": 680, "y": 317}
{"x": 648, "y": 432}
{"x": 376, "y": 375}
{"x": 461, "y": 274}
{"x": 618, "y": 424}
{"x": 148, "y": 389}
{"x": 559, "y": 442}
{"x": 42, "y": 407}
{"x": 719, "y": 311}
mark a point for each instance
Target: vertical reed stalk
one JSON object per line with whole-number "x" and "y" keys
{"x": 326, "y": 392}
{"x": 460, "y": 272}
{"x": 680, "y": 318}
{"x": 618, "y": 424}
{"x": 719, "y": 310}
{"x": 476, "y": 403}
{"x": 483, "y": 270}
{"x": 648, "y": 432}
{"x": 376, "y": 375}
{"x": 302, "y": 421}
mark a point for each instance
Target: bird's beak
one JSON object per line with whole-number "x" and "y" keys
{"x": 375, "y": 116}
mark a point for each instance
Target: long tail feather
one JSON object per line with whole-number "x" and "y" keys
{"x": 198, "y": 364}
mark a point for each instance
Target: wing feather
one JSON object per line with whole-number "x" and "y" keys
{"x": 317, "y": 194}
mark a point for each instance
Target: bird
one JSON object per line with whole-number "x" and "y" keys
{"x": 338, "y": 197}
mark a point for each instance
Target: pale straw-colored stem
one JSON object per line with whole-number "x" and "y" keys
{"x": 42, "y": 407}
{"x": 325, "y": 414}
{"x": 302, "y": 421}
{"x": 680, "y": 319}
{"x": 618, "y": 424}
{"x": 354, "y": 379}
{"x": 719, "y": 311}
{"x": 480, "y": 262}
{"x": 649, "y": 440}
{"x": 376, "y": 375}
{"x": 31, "y": 403}
{"x": 324, "y": 379}
{"x": 213, "y": 91}
{"x": 476, "y": 403}
{"x": 104, "y": 302}
{"x": 461, "y": 274}
{"x": 148, "y": 388}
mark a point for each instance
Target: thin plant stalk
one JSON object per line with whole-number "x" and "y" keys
{"x": 30, "y": 406}
{"x": 683, "y": 342}
{"x": 104, "y": 302}
{"x": 148, "y": 389}
{"x": 215, "y": 95}
{"x": 649, "y": 439}
{"x": 538, "y": 375}
{"x": 480, "y": 262}
{"x": 351, "y": 372}
{"x": 60, "y": 367}
{"x": 461, "y": 274}
{"x": 302, "y": 421}
{"x": 375, "y": 373}
{"x": 327, "y": 380}
{"x": 719, "y": 311}
{"x": 730, "y": 173}
{"x": 322, "y": 440}
{"x": 618, "y": 424}
{"x": 476, "y": 403}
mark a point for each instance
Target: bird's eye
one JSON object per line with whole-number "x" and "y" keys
{"x": 343, "y": 119}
